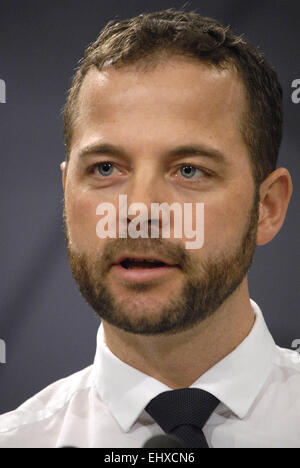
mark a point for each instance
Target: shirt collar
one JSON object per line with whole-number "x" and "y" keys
{"x": 236, "y": 380}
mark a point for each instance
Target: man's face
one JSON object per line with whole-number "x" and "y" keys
{"x": 146, "y": 124}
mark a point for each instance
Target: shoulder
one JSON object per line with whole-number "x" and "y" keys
{"x": 288, "y": 360}
{"x": 47, "y": 402}
{"x": 286, "y": 375}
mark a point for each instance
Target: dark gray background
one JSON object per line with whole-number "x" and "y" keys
{"x": 49, "y": 330}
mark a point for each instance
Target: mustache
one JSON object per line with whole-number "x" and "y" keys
{"x": 114, "y": 248}
{"x": 174, "y": 253}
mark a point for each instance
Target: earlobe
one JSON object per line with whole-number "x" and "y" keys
{"x": 275, "y": 194}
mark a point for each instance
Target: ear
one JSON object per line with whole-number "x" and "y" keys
{"x": 63, "y": 168}
{"x": 275, "y": 193}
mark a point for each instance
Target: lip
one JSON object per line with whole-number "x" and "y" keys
{"x": 140, "y": 275}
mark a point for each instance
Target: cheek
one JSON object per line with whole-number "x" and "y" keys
{"x": 82, "y": 220}
{"x": 224, "y": 224}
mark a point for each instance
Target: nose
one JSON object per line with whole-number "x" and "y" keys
{"x": 144, "y": 188}
{"x": 147, "y": 186}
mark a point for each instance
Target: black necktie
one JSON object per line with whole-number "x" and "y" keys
{"x": 183, "y": 413}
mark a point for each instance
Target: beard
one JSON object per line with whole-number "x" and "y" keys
{"x": 205, "y": 287}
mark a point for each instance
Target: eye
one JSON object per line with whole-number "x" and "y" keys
{"x": 105, "y": 168}
{"x": 188, "y": 171}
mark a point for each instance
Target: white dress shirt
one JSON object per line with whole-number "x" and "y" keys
{"x": 258, "y": 385}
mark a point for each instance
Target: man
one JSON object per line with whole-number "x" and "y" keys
{"x": 171, "y": 108}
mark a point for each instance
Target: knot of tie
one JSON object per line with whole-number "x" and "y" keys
{"x": 183, "y": 413}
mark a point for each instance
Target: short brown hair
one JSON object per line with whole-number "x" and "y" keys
{"x": 150, "y": 35}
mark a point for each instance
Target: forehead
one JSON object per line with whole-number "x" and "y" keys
{"x": 179, "y": 96}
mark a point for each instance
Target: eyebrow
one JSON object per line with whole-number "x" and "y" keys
{"x": 180, "y": 151}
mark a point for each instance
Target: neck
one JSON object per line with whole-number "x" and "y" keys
{"x": 179, "y": 360}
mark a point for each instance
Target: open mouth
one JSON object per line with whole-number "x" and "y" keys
{"x": 133, "y": 269}
{"x": 130, "y": 263}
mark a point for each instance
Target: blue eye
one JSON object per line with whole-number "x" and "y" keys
{"x": 188, "y": 171}
{"x": 105, "y": 168}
